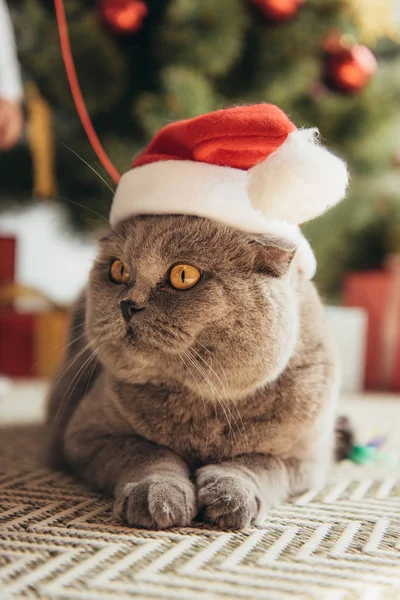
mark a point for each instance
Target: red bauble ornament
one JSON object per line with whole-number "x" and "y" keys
{"x": 278, "y": 10}
{"x": 123, "y": 16}
{"x": 348, "y": 68}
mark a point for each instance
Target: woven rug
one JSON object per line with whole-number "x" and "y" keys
{"x": 60, "y": 541}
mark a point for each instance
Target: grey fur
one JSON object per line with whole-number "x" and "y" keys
{"x": 218, "y": 400}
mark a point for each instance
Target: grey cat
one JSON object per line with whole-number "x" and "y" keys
{"x": 200, "y": 377}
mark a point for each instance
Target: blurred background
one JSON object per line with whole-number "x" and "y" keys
{"x": 333, "y": 64}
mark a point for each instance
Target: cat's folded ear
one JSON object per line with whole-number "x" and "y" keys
{"x": 272, "y": 256}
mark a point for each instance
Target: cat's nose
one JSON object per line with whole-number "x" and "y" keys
{"x": 129, "y": 308}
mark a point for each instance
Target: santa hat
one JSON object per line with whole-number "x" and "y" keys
{"x": 248, "y": 167}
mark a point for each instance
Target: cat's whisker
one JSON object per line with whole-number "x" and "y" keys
{"x": 230, "y": 400}
{"x": 70, "y": 364}
{"x": 62, "y": 346}
{"x": 64, "y": 400}
{"x": 212, "y": 399}
{"x": 100, "y": 169}
{"x": 204, "y": 347}
{"x": 215, "y": 405}
{"x": 218, "y": 397}
{"x": 77, "y": 376}
{"x": 90, "y": 375}
{"x": 65, "y": 345}
{"x": 83, "y": 206}
{"x": 241, "y": 429}
{"x": 182, "y": 361}
{"x": 73, "y": 340}
{"x": 74, "y": 382}
{"x": 90, "y": 167}
{"x": 193, "y": 363}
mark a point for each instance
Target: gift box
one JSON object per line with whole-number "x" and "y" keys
{"x": 7, "y": 261}
{"x": 32, "y": 342}
{"x": 378, "y": 292}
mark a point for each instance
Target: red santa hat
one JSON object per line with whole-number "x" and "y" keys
{"x": 248, "y": 167}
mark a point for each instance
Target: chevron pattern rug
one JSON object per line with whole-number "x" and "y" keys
{"x": 58, "y": 541}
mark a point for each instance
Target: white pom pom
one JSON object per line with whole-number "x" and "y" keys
{"x": 299, "y": 181}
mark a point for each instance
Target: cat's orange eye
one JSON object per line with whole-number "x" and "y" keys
{"x": 184, "y": 277}
{"x": 119, "y": 272}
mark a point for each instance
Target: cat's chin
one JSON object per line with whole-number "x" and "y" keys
{"x": 153, "y": 349}
{"x": 130, "y": 357}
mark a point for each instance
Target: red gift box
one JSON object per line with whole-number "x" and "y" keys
{"x": 31, "y": 344}
{"x": 378, "y": 292}
{"x": 7, "y": 258}
{"x": 16, "y": 344}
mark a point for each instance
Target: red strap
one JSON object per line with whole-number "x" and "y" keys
{"x": 77, "y": 94}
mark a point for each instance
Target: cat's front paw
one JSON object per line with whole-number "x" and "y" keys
{"x": 157, "y": 502}
{"x": 228, "y": 500}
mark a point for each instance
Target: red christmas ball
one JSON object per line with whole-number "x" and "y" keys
{"x": 350, "y": 69}
{"x": 123, "y": 16}
{"x": 278, "y": 10}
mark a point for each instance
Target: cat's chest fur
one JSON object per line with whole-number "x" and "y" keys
{"x": 203, "y": 430}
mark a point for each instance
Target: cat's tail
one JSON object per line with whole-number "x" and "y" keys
{"x": 344, "y": 438}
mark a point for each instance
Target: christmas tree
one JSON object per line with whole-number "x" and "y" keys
{"x": 142, "y": 64}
